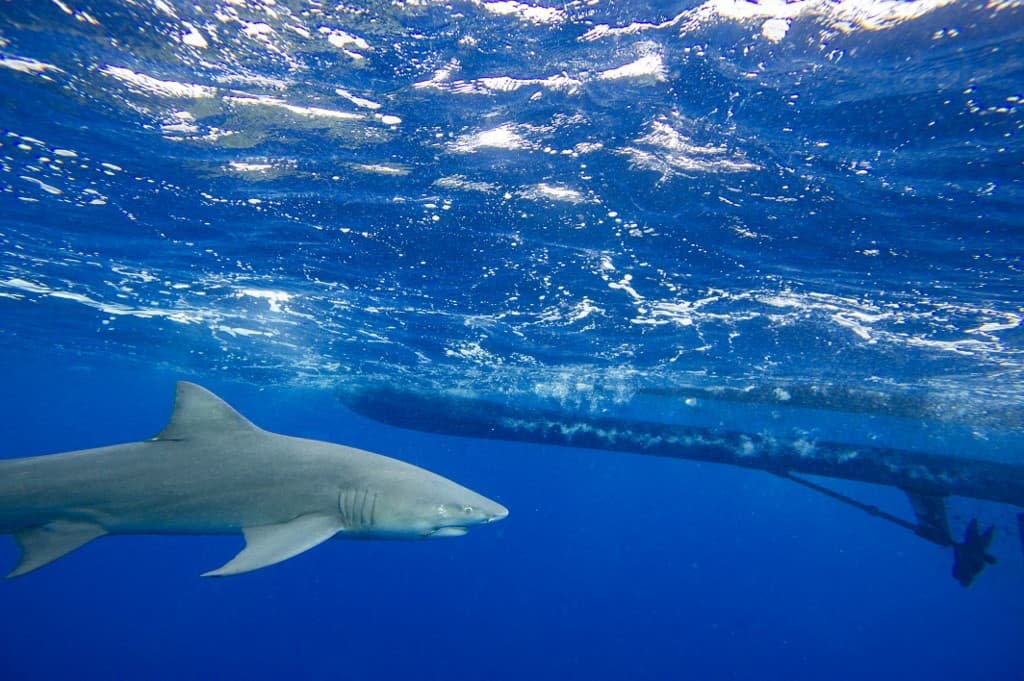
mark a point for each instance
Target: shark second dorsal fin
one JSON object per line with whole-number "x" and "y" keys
{"x": 197, "y": 411}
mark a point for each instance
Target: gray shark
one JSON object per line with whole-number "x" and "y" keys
{"x": 211, "y": 471}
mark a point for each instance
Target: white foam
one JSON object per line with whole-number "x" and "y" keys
{"x": 777, "y": 15}
{"x": 471, "y": 351}
{"x": 625, "y": 284}
{"x": 299, "y": 30}
{"x": 742, "y": 10}
{"x": 783, "y": 300}
{"x": 241, "y": 331}
{"x": 528, "y": 13}
{"x": 961, "y": 346}
{"x": 305, "y": 111}
{"x": 49, "y": 189}
{"x": 557, "y": 83}
{"x": 875, "y": 325}
{"x": 875, "y": 15}
{"x": 669, "y": 153}
{"x": 243, "y": 167}
{"x": 180, "y": 122}
{"x": 1013, "y": 321}
{"x": 553, "y": 193}
{"x": 584, "y": 309}
{"x": 846, "y": 320}
{"x": 358, "y": 101}
{"x": 775, "y": 29}
{"x": 135, "y": 275}
{"x": 649, "y": 66}
{"x": 342, "y": 40}
{"x": 165, "y": 8}
{"x": 26, "y": 65}
{"x": 442, "y": 80}
{"x": 23, "y": 285}
{"x": 588, "y": 147}
{"x": 502, "y": 137}
{"x": 256, "y": 29}
{"x": 381, "y": 169}
{"x": 604, "y": 30}
{"x": 162, "y": 88}
{"x": 193, "y": 38}
{"x": 252, "y": 79}
{"x": 461, "y": 183}
{"x": 184, "y": 128}
{"x": 441, "y": 76}
{"x": 274, "y": 298}
{"x": 116, "y": 309}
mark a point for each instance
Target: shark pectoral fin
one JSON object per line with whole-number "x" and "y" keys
{"x": 269, "y": 544}
{"x": 44, "y": 544}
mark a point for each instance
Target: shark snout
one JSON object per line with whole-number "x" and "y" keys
{"x": 496, "y": 512}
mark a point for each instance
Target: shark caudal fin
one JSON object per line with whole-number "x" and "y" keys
{"x": 197, "y": 411}
{"x": 44, "y": 544}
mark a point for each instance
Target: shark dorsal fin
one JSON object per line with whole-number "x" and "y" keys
{"x": 197, "y": 411}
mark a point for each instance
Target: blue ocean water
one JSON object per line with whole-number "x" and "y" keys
{"x": 789, "y": 219}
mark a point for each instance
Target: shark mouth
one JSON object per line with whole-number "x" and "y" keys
{"x": 447, "y": 532}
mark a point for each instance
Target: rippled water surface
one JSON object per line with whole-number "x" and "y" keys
{"x": 502, "y": 195}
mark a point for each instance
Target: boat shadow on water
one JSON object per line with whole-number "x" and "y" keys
{"x": 928, "y": 479}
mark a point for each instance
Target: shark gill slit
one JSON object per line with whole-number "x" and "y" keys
{"x": 358, "y": 513}
{"x": 343, "y": 508}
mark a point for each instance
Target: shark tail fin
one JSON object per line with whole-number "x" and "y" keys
{"x": 197, "y": 411}
{"x": 43, "y": 544}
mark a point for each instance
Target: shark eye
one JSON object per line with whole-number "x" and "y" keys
{"x": 467, "y": 509}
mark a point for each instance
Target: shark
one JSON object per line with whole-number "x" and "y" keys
{"x": 212, "y": 471}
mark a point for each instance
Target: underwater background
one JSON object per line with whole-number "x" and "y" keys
{"x": 798, "y": 220}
